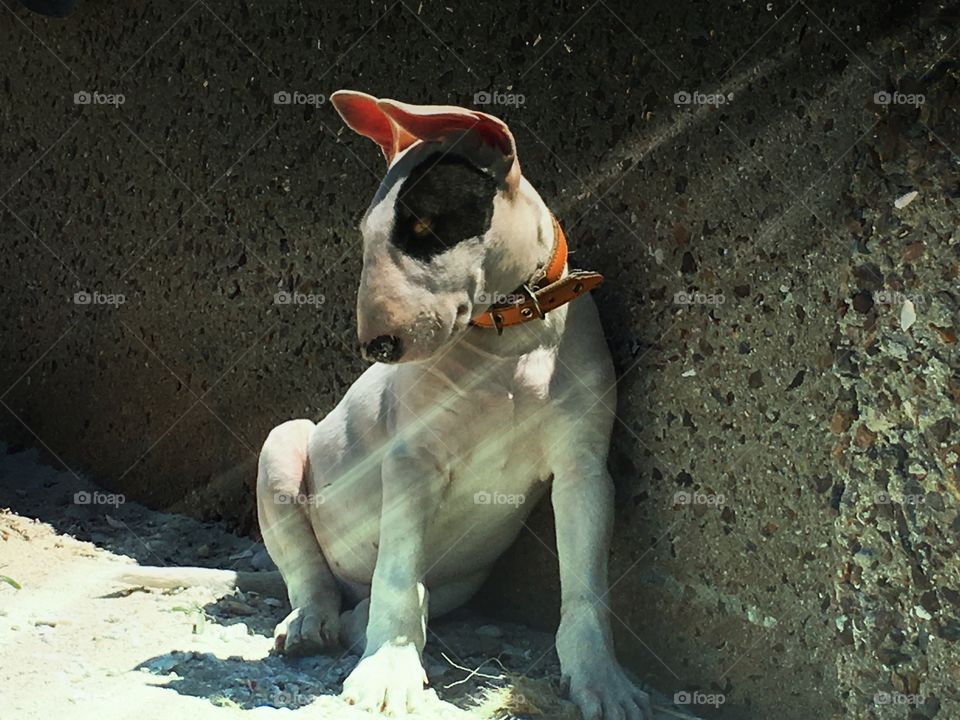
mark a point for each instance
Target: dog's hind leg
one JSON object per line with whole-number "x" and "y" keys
{"x": 283, "y": 506}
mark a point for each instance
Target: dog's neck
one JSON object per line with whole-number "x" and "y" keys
{"x": 529, "y": 260}
{"x": 549, "y": 286}
{"x": 535, "y": 294}
{"x": 483, "y": 359}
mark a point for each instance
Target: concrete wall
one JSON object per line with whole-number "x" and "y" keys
{"x": 756, "y": 554}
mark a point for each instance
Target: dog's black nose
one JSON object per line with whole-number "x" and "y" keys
{"x": 383, "y": 348}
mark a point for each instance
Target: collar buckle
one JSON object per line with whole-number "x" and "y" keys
{"x": 546, "y": 289}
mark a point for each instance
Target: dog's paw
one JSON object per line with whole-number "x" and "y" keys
{"x": 606, "y": 693}
{"x": 309, "y": 630}
{"x": 389, "y": 681}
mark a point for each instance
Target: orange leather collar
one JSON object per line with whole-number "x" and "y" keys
{"x": 546, "y": 290}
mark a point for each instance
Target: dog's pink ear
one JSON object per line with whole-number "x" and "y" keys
{"x": 491, "y": 139}
{"x": 361, "y": 113}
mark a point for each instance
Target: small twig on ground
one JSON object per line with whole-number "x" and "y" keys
{"x": 10, "y": 581}
{"x": 471, "y": 673}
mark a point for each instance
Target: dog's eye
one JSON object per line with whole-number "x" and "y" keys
{"x": 423, "y": 227}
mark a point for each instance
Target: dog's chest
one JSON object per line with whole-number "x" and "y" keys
{"x": 493, "y": 444}
{"x": 495, "y": 436}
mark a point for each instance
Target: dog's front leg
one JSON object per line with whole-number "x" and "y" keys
{"x": 390, "y": 675}
{"x": 582, "y": 497}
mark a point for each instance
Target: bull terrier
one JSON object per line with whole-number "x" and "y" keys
{"x": 491, "y": 377}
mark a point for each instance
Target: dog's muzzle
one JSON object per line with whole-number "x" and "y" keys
{"x": 383, "y": 348}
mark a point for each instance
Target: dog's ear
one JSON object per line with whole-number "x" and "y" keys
{"x": 482, "y": 137}
{"x": 361, "y": 113}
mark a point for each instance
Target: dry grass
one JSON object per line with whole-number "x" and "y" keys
{"x": 523, "y": 696}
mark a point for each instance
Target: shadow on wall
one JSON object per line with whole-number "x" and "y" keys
{"x": 731, "y": 169}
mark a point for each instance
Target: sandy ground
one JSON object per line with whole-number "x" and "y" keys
{"x": 76, "y": 643}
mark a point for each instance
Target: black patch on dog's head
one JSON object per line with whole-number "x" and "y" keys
{"x": 444, "y": 201}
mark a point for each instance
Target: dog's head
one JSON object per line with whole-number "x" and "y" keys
{"x": 452, "y": 227}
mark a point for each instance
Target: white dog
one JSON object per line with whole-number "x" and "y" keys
{"x": 488, "y": 382}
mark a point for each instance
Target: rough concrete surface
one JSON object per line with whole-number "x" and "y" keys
{"x": 782, "y": 309}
